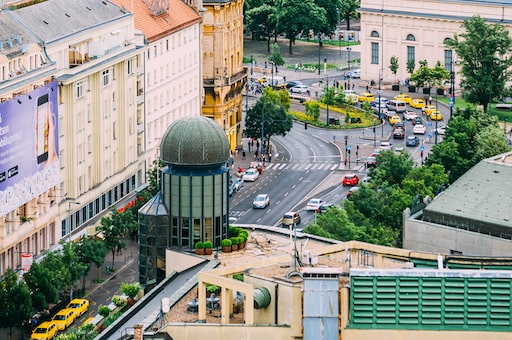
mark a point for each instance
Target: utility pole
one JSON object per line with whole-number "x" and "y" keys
{"x": 262, "y": 127}
{"x": 327, "y": 99}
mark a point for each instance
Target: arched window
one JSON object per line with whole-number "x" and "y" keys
{"x": 374, "y": 34}
{"x": 447, "y": 40}
{"x": 410, "y": 37}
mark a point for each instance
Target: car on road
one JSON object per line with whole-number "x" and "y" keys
{"x": 428, "y": 109}
{"x": 45, "y": 331}
{"x": 238, "y": 183}
{"x": 403, "y": 97}
{"x": 412, "y": 141}
{"x": 398, "y": 133}
{"x": 436, "y": 115}
{"x": 417, "y": 120}
{"x": 323, "y": 208}
{"x": 350, "y": 180}
{"x": 350, "y": 96}
{"x": 251, "y": 175}
{"x": 79, "y": 306}
{"x": 365, "y": 97}
{"x": 258, "y": 166}
{"x": 371, "y": 161}
{"x": 419, "y": 129}
{"x": 440, "y": 130}
{"x": 314, "y": 203}
{"x": 352, "y": 190}
{"x": 385, "y": 146}
{"x": 417, "y": 103}
{"x": 261, "y": 201}
{"x": 410, "y": 115}
{"x": 303, "y": 89}
{"x": 231, "y": 189}
{"x": 292, "y": 83}
{"x": 356, "y": 74}
{"x": 394, "y": 119}
{"x": 290, "y": 218}
{"x": 64, "y": 318}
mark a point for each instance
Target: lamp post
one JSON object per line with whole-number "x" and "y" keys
{"x": 452, "y": 81}
{"x": 374, "y": 136}
{"x": 348, "y": 62}
{"x": 319, "y": 44}
{"x": 262, "y": 128}
{"x": 251, "y": 64}
{"x": 69, "y": 242}
{"x": 327, "y": 99}
{"x": 435, "y": 140}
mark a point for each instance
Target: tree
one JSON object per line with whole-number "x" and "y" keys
{"x": 261, "y": 22}
{"x": 15, "y": 301}
{"x": 154, "y": 176}
{"x": 71, "y": 259}
{"x": 484, "y": 54}
{"x": 268, "y": 112}
{"x": 93, "y": 251}
{"x": 297, "y": 16}
{"x": 113, "y": 229}
{"x": 276, "y": 56}
{"x": 39, "y": 281}
{"x": 430, "y": 77}
{"x": 392, "y": 168}
{"x": 349, "y": 10}
{"x": 393, "y": 65}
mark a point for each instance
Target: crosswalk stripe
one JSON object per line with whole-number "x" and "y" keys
{"x": 302, "y": 166}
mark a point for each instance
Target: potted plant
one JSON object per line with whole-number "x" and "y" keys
{"x": 234, "y": 243}
{"x": 410, "y": 69}
{"x": 131, "y": 290}
{"x": 199, "y": 248}
{"x": 393, "y": 66}
{"x": 208, "y": 247}
{"x": 226, "y": 245}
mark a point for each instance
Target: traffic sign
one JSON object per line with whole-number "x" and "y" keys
{"x": 349, "y": 147}
{"x": 379, "y": 91}
{"x": 430, "y": 124}
{"x": 422, "y": 148}
{"x": 429, "y": 135}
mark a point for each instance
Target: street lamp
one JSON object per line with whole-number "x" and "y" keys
{"x": 437, "y": 90}
{"x": 262, "y": 127}
{"x": 327, "y": 99}
{"x": 348, "y": 62}
{"x": 251, "y": 64}
{"x": 452, "y": 80}
{"x": 319, "y": 44}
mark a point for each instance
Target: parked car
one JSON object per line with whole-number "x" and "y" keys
{"x": 292, "y": 83}
{"x": 290, "y": 218}
{"x": 45, "y": 331}
{"x": 417, "y": 103}
{"x": 365, "y": 97}
{"x": 398, "y": 133}
{"x": 261, "y": 201}
{"x": 78, "y": 306}
{"x": 403, "y": 97}
{"x": 351, "y": 190}
{"x": 410, "y": 115}
{"x": 251, "y": 175}
{"x": 314, "y": 203}
{"x": 299, "y": 89}
{"x": 412, "y": 141}
{"x": 350, "y": 180}
{"x": 64, "y": 318}
{"x": 436, "y": 115}
{"x": 238, "y": 183}
{"x": 419, "y": 129}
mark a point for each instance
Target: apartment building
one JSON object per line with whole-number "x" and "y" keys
{"x": 172, "y": 86}
{"x": 85, "y": 60}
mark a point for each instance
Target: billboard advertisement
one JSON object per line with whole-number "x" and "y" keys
{"x": 29, "y": 163}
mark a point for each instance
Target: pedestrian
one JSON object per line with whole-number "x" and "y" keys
{"x": 256, "y": 154}
{"x": 119, "y": 247}
{"x": 353, "y": 85}
{"x": 258, "y": 144}
{"x": 296, "y": 67}
{"x": 249, "y": 146}
{"x": 243, "y": 154}
{"x": 367, "y": 88}
{"x": 269, "y": 157}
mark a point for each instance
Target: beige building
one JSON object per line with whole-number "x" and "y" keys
{"x": 417, "y": 29}
{"x": 93, "y": 109}
{"x": 172, "y": 86}
{"x": 224, "y": 76}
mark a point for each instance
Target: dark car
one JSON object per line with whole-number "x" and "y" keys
{"x": 398, "y": 133}
{"x": 323, "y": 208}
{"x": 417, "y": 120}
{"x": 293, "y": 83}
{"x": 371, "y": 161}
{"x": 412, "y": 141}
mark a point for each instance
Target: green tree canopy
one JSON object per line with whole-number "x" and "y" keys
{"x": 15, "y": 301}
{"x": 349, "y": 10}
{"x": 393, "y": 65}
{"x": 483, "y": 51}
{"x": 261, "y": 21}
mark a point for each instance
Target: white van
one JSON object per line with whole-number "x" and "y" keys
{"x": 397, "y": 106}
{"x": 350, "y": 96}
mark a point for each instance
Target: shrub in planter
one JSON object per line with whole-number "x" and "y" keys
{"x": 119, "y": 301}
{"x": 412, "y": 88}
{"x": 199, "y": 246}
{"x": 104, "y": 311}
{"x": 226, "y": 245}
{"x": 395, "y": 87}
{"x": 208, "y": 247}
{"x": 241, "y": 242}
{"x": 234, "y": 242}
{"x": 131, "y": 290}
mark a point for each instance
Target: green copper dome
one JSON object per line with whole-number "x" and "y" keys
{"x": 194, "y": 140}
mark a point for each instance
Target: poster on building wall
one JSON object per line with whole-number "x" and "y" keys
{"x": 29, "y": 163}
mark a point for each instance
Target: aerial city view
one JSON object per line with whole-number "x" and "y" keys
{"x": 255, "y": 170}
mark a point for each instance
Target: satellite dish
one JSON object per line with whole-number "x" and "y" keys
{"x": 165, "y": 305}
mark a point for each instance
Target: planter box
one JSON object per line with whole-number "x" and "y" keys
{"x": 395, "y": 87}
{"x": 440, "y": 92}
{"x": 412, "y": 89}
{"x": 426, "y": 90}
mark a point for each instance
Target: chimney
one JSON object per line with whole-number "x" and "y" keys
{"x": 137, "y": 332}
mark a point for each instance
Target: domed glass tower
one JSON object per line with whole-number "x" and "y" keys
{"x": 193, "y": 201}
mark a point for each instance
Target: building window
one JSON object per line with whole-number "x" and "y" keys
{"x": 374, "y": 34}
{"x": 411, "y": 53}
{"x": 448, "y": 60}
{"x": 375, "y": 53}
{"x": 410, "y": 37}
{"x": 155, "y": 48}
{"x": 79, "y": 89}
{"x": 129, "y": 66}
{"x": 106, "y": 77}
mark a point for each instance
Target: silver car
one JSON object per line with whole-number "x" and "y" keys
{"x": 261, "y": 201}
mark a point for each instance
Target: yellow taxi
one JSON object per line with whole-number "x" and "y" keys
{"x": 45, "y": 331}
{"x": 417, "y": 103}
{"x": 365, "y": 97}
{"x": 394, "y": 119}
{"x": 64, "y": 318}
{"x": 436, "y": 115}
{"x": 403, "y": 97}
{"x": 428, "y": 109}
{"x": 79, "y": 306}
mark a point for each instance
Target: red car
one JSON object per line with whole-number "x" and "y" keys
{"x": 350, "y": 179}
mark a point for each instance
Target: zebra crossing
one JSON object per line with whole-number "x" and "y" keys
{"x": 302, "y": 166}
